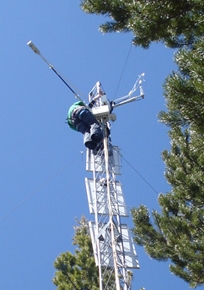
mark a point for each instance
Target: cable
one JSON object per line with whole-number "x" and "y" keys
{"x": 123, "y": 70}
{"x": 140, "y": 175}
{"x": 41, "y": 186}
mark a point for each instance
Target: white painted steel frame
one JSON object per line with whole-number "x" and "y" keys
{"x": 113, "y": 248}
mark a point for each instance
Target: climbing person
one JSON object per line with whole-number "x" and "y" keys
{"x": 81, "y": 119}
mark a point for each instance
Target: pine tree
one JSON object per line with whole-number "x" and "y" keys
{"x": 178, "y": 23}
{"x": 77, "y": 271}
{"x": 177, "y": 233}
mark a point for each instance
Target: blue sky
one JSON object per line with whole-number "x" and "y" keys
{"x": 42, "y": 187}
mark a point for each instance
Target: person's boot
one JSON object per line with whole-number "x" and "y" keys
{"x": 90, "y": 145}
{"x": 88, "y": 142}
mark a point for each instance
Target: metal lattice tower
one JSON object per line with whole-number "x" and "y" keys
{"x": 113, "y": 247}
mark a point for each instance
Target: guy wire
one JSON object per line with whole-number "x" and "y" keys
{"x": 35, "y": 191}
{"x": 123, "y": 70}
